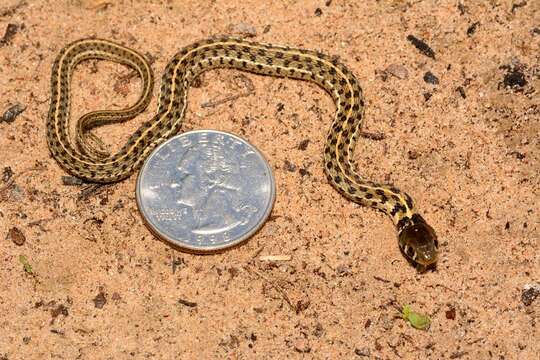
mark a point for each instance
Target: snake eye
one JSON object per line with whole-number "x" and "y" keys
{"x": 409, "y": 251}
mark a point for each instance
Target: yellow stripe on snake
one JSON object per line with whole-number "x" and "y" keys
{"x": 88, "y": 160}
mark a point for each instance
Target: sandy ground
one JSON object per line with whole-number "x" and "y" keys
{"x": 98, "y": 285}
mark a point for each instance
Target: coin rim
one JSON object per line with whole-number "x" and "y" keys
{"x": 216, "y": 248}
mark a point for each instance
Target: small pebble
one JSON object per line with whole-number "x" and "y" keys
{"x": 530, "y": 293}
{"x": 413, "y": 154}
{"x": 302, "y": 305}
{"x": 11, "y": 30}
{"x": 100, "y": 300}
{"x": 430, "y": 78}
{"x": 472, "y": 29}
{"x": 59, "y": 310}
{"x": 421, "y": 46}
{"x": 386, "y": 322}
{"x": 514, "y": 79}
{"x": 319, "y": 330}
{"x": 12, "y": 112}
{"x": 517, "y": 154}
{"x": 450, "y": 314}
{"x": 398, "y": 71}
{"x": 289, "y": 166}
{"x": 367, "y": 324}
{"x": 343, "y": 270}
{"x": 230, "y": 341}
{"x": 462, "y": 8}
{"x": 71, "y": 180}
{"x": 16, "y": 236}
{"x": 7, "y": 174}
{"x": 187, "y": 303}
{"x": 518, "y": 5}
{"x": 318, "y": 12}
{"x": 364, "y": 352}
{"x": 244, "y": 29}
{"x": 303, "y": 144}
{"x": 303, "y": 172}
{"x": 302, "y": 345}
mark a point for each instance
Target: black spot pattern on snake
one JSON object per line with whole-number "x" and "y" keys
{"x": 409, "y": 201}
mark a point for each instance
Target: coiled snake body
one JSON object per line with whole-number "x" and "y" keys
{"x": 89, "y": 161}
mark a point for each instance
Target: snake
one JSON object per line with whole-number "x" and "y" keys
{"x": 86, "y": 157}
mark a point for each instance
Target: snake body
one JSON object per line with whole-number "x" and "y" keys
{"x": 88, "y": 160}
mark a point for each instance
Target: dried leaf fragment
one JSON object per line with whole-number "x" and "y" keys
{"x": 26, "y": 265}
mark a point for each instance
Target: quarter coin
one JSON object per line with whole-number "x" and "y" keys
{"x": 205, "y": 190}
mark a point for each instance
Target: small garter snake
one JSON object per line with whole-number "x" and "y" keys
{"x": 88, "y": 160}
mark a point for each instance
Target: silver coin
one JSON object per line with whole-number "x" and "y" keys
{"x": 205, "y": 190}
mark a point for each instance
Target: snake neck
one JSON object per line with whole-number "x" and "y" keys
{"x": 341, "y": 173}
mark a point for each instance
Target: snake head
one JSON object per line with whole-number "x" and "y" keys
{"x": 418, "y": 242}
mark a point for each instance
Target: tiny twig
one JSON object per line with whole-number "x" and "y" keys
{"x": 227, "y": 98}
{"x": 257, "y": 252}
{"x": 240, "y": 81}
{"x": 381, "y": 279}
{"x": 372, "y": 135}
{"x": 187, "y": 303}
{"x": 92, "y": 189}
{"x": 276, "y": 287}
{"x": 447, "y": 288}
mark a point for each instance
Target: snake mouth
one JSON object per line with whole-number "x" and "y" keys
{"x": 421, "y": 259}
{"x": 423, "y": 268}
{"x": 428, "y": 258}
